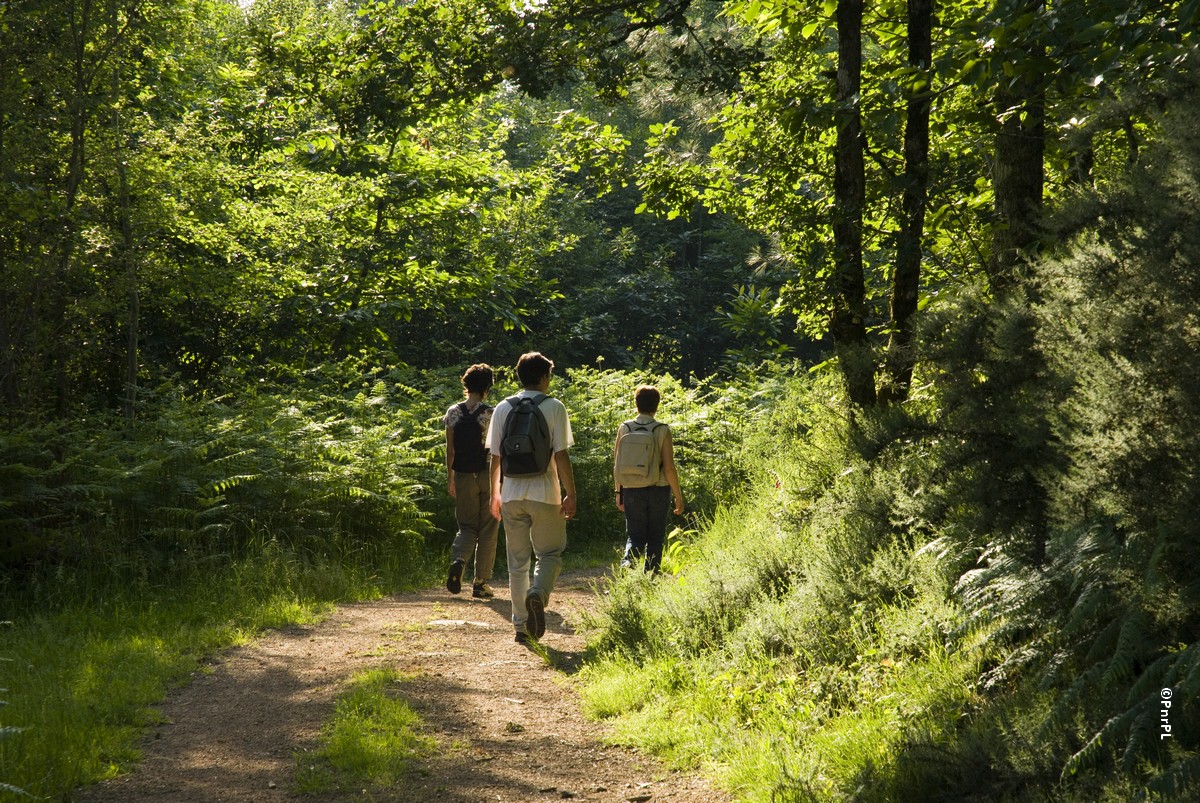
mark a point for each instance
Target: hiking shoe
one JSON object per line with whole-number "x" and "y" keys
{"x": 523, "y": 638}
{"x": 482, "y": 591}
{"x": 537, "y": 614}
{"x": 454, "y": 581}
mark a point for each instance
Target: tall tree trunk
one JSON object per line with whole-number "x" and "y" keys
{"x": 133, "y": 298}
{"x": 77, "y": 112}
{"x": 906, "y": 279}
{"x": 1018, "y": 181}
{"x": 129, "y": 263}
{"x": 847, "y": 323}
{"x": 1018, "y": 171}
{"x": 8, "y": 296}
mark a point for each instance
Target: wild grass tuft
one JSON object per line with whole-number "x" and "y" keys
{"x": 373, "y": 740}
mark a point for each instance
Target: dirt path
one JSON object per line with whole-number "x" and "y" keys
{"x": 508, "y": 726}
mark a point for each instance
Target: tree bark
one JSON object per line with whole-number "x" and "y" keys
{"x": 129, "y": 263}
{"x": 8, "y": 335}
{"x": 1018, "y": 171}
{"x": 847, "y": 322}
{"x": 78, "y": 111}
{"x": 906, "y": 279}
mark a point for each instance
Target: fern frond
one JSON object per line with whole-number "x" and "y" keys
{"x": 1103, "y": 643}
{"x": 1181, "y": 777}
{"x": 1185, "y": 672}
{"x": 1153, "y": 677}
{"x": 1130, "y": 647}
{"x": 1090, "y": 753}
{"x": 1145, "y": 720}
{"x": 1063, "y": 710}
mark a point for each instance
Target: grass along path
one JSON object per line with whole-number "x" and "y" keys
{"x": 497, "y": 721}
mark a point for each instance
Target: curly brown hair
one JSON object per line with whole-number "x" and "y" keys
{"x": 478, "y": 378}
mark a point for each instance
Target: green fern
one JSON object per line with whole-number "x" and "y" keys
{"x": 1179, "y": 778}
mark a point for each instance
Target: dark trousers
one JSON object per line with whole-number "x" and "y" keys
{"x": 646, "y": 524}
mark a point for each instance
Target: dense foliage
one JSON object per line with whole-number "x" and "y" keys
{"x": 309, "y": 488}
{"x": 987, "y": 595}
{"x": 916, "y": 281}
{"x": 206, "y": 184}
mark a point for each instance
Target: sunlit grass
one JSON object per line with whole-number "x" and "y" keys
{"x": 83, "y": 680}
{"x": 373, "y": 740}
{"x": 797, "y": 650}
{"x": 769, "y": 729}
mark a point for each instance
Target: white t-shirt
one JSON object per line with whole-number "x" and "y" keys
{"x": 545, "y": 487}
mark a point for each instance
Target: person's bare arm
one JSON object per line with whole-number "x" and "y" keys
{"x": 616, "y": 482}
{"x": 450, "y": 460}
{"x": 496, "y": 487}
{"x": 672, "y": 475}
{"x": 566, "y": 478}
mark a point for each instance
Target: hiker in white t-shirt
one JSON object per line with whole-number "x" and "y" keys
{"x": 645, "y": 478}
{"x": 534, "y": 503}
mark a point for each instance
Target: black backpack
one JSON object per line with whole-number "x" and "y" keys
{"x": 469, "y": 454}
{"x": 525, "y": 446}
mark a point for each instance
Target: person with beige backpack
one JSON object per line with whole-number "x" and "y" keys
{"x": 645, "y": 477}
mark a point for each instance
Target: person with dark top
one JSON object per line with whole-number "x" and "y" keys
{"x": 645, "y": 477}
{"x": 469, "y": 481}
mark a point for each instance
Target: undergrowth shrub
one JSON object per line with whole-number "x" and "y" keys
{"x": 806, "y": 638}
{"x": 325, "y": 470}
{"x": 1062, "y": 491}
{"x": 341, "y": 461}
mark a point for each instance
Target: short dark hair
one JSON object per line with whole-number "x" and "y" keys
{"x": 478, "y": 378}
{"x": 646, "y": 398}
{"x": 532, "y": 368}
